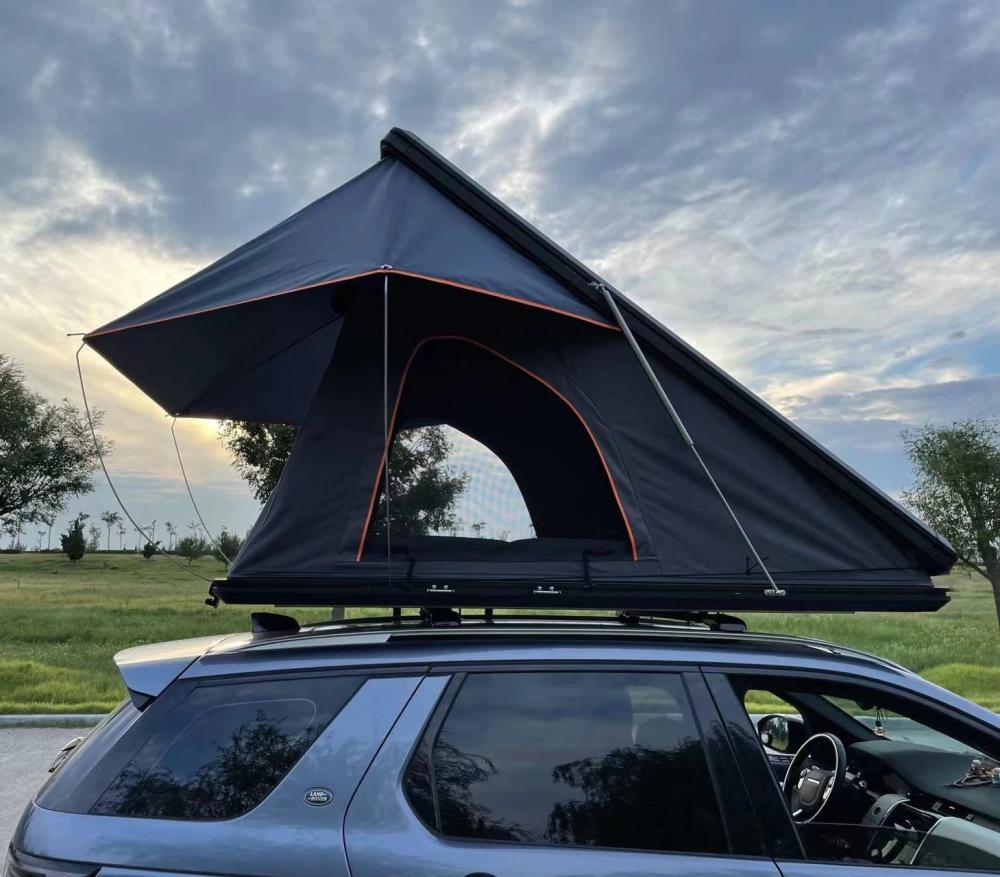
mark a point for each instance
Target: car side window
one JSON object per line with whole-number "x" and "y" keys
{"x": 223, "y": 749}
{"x": 569, "y": 758}
{"x": 888, "y": 779}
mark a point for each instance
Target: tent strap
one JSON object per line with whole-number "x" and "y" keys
{"x": 772, "y": 589}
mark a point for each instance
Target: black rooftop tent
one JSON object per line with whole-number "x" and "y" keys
{"x": 410, "y": 296}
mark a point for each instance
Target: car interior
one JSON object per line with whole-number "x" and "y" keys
{"x": 870, "y": 776}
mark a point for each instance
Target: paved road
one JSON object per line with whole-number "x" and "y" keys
{"x": 25, "y": 756}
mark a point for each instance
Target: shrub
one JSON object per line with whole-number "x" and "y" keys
{"x": 229, "y": 546}
{"x": 191, "y": 547}
{"x": 73, "y": 541}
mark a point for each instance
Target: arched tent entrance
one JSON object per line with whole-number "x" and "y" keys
{"x": 542, "y": 439}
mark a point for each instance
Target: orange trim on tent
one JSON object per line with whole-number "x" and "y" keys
{"x": 519, "y": 367}
{"x": 98, "y": 333}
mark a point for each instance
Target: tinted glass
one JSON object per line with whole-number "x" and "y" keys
{"x": 224, "y": 748}
{"x": 588, "y": 759}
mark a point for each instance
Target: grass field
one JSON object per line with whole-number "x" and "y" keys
{"x": 61, "y": 623}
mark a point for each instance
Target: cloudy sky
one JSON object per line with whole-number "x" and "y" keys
{"x": 808, "y": 192}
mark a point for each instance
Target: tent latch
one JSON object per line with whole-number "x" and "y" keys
{"x": 440, "y": 589}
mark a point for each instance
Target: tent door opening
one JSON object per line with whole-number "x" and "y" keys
{"x": 462, "y": 405}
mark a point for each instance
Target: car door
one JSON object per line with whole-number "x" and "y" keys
{"x": 543, "y": 771}
{"x": 814, "y": 850}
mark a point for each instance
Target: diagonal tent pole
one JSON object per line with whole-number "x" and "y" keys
{"x": 772, "y": 589}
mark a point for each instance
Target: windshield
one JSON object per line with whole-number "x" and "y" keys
{"x": 893, "y": 726}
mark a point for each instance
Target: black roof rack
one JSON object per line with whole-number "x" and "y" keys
{"x": 268, "y": 622}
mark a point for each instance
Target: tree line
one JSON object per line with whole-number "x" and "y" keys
{"x": 77, "y": 541}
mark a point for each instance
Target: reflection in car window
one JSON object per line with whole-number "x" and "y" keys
{"x": 224, "y": 748}
{"x": 588, "y": 759}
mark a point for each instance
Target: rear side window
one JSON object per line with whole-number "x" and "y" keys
{"x": 584, "y": 759}
{"x": 223, "y": 749}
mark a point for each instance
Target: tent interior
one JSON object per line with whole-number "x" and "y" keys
{"x": 474, "y": 428}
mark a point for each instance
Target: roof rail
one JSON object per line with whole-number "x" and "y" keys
{"x": 448, "y": 617}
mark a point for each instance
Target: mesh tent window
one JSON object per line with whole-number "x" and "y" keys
{"x": 544, "y": 442}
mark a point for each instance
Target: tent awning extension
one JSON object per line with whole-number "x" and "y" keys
{"x": 411, "y": 296}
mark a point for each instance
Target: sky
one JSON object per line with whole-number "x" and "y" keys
{"x": 808, "y": 192}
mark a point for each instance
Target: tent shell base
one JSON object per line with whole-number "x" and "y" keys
{"x": 675, "y": 596}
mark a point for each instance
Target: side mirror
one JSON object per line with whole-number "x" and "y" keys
{"x": 782, "y": 733}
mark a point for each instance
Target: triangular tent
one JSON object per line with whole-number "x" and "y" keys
{"x": 410, "y": 296}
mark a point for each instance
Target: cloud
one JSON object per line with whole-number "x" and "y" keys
{"x": 807, "y": 193}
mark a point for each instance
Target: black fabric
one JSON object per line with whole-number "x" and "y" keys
{"x": 318, "y": 518}
{"x": 276, "y": 290}
{"x": 289, "y": 328}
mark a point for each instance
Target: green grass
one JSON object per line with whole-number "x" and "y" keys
{"x": 60, "y": 624}
{"x": 957, "y": 647}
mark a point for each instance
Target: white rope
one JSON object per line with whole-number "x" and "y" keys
{"x": 107, "y": 475}
{"x": 194, "y": 505}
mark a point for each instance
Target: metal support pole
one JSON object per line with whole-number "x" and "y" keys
{"x": 385, "y": 422}
{"x": 772, "y": 590}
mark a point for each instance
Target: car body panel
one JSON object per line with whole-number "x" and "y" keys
{"x": 361, "y": 756}
{"x": 148, "y": 670}
{"x": 281, "y": 836}
{"x": 838, "y": 869}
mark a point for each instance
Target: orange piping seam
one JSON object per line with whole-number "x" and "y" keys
{"x": 97, "y": 333}
{"x": 531, "y": 374}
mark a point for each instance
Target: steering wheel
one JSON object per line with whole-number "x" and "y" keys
{"x": 816, "y": 772}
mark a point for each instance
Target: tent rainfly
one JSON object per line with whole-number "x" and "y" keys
{"x": 411, "y": 296}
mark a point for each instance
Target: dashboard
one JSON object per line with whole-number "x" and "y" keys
{"x": 913, "y": 814}
{"x": 900, "y": 807}
{"x": 923, "y": 775}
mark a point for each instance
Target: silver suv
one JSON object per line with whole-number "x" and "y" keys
{"x": 519, "y": 747}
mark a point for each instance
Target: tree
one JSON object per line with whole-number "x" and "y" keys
{"x": 47, "y": 453}
{"x": 122, "y": 530}
{"x": 192, "y": 547}
{"x": 171, "y": 534}
{"x": 94, "y": 538}
{"x": 48, "y": 519}
{"x": 13, "y": 527}
{"x": 423, "y": 488}
{"x": 110, "y": 519}
{"x": 957, "y": 490}
{"x": 149, "y": 549}
{"x": 229, "y": 545}
{"x": 73, "y": 541}
{"x": 259, "y": 452}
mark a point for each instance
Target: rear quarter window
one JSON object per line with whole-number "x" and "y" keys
{"x": 223, "y": 748}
